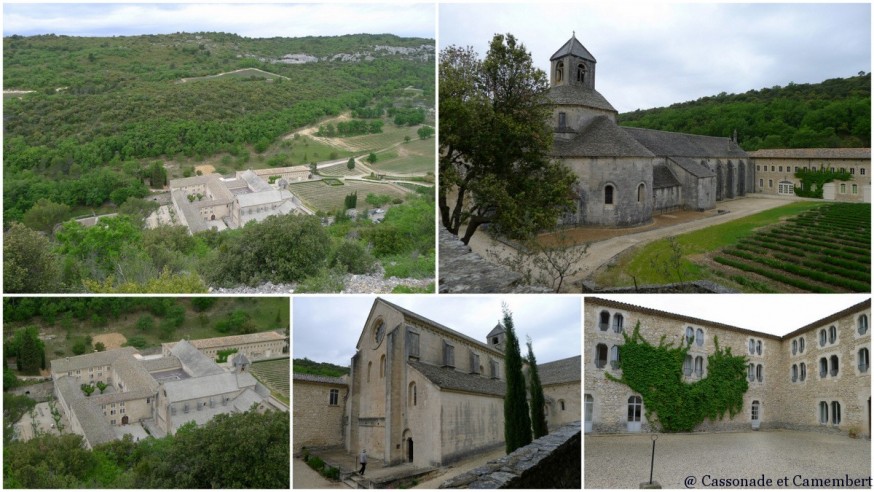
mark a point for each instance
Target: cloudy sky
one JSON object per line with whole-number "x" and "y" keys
{"x": 326, "y": 329}
{"x": 250, "y": 20}
{"x": 777, "y": 314}
{"x": 656, "y": 54}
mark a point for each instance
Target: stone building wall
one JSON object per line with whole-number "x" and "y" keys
{"x": 420, "y": 419}
{"x": 780, "y": 402}
{"x": 625, "y": 175}
{"x": 470, "y": 424}
{"x": 771, "y": 171}
{"x": 316, "y": 421}
{"x": 569, "y": 393}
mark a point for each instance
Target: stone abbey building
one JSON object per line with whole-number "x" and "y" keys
{"x": 817, "y": 377}
{"x": 421, "y": 392}
{"x": 626, "y": 175}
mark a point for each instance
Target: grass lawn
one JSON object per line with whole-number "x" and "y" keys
{"x": 638, "y": 263}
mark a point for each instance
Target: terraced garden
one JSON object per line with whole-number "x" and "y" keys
{"x": 827, "y": 249}
{"x": 275, "y": 375}
{"x": 321, "y": 196}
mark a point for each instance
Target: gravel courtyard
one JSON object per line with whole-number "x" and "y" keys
{"x": 702, "y": 460}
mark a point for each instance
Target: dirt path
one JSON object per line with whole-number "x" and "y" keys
{"x": 601, "y": 252}
{"x": 184, "y": 80}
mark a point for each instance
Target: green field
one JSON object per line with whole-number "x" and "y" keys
{"x": 341, "y": 170}
{"x": 275, "y": 375}
{"x": 321, "y": 196}
{"x": 642, "y": 263}
{"x": 416, "y": 156}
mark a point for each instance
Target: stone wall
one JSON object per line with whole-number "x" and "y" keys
{"x": 553, "y": 461}
{"x": 555, "y": 394}
{"x": 316, "y": 422}
{"x": 469, "y": 423}
{"x": 624, "y": 175}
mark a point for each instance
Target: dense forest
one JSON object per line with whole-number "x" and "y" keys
{"x": 834, "y": 113}
{"x": 103, "y": 114}
{"x": 306, "y": 366}
{"x": 236, "y": 451}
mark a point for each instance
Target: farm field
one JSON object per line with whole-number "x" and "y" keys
{"x": 827, "y": 249}
{"x": 275, "y": 375}
{"x": 322, "y": 196}
{"x": 416, "y": 156}
{"x": 340, "y": 170}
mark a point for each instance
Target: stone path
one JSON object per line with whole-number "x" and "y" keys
{"x": 601, "y": 252}
{"x": 695, "y": 460}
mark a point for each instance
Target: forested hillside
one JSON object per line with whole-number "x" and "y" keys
{"x": 306, "y": 366}
{"x": 834, "y": 113}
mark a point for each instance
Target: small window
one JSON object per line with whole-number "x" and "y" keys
{"x": 590, "y": 407}
{"x": 562, "y": 120}
{"x": 759, "y": 347}
{"x": 690, "y": 335}
{"x": 822, "y": 337}
{"x": 803, "y": 368}
{"x": 448, "y": 355}
{"x": 687, "y": 365}
{"x": 413, "y": 397}
{"x": 474, "y": 363}
{"x": 382, "y": 366}
{"x": 369, "y": 368}
{"x": 618, "y": 321}
{"x": 823, "y": 367}
{"x": 699, "y": 366}
{"x": 699, "y": 337}
{"x": 864, "y": 361}
{"x": 834, "y": 361}
{"x": 855, "y": 189}
{"x": 760, "y": 373}
{"x": 559, "y": 71}
{"x": 641, "y": 193}
{"x": 634, "y": 406}
{"x": 494, "y": 369}
{"x": 794, "y": 372}
{"x": 605, "y": 321}
{"x": 608, "y": 195}
{"x": 752, "y": 346}
{"x": 751, "y": 372}
{"x": 581, "y": 73}
{"x": 863, "y": 324}
{"x": 600, "y": 356}
{"x": 794, "y": 347}
{"x": 614, "y": 357}
{"x": 862, "y": 171}
{"x": 754, "y": 413}
{"x": 801, "y": 345}
{"x": 832, "y": 334}
{"x": 413, "y": 343}
{"x": 836, "y": 413}
{"x": 823, "y": 412}
{"x": 561, "y": 405}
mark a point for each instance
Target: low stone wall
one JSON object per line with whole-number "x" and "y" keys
{"x": 696, "y": 287}
{"x": 553, "y": 461}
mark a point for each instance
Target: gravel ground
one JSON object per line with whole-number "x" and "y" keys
{"x": 698, "y": 460}
{"x": 374, "y": 283}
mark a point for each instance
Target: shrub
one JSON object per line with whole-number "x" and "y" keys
{"x": 352, "y": 257}
{"x": 136, "y": 342}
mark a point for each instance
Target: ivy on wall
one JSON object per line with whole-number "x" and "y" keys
{"x": 656, "y": 372}
{"x": 812, "y": 180}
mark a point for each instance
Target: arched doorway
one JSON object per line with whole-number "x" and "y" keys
{"x": 124, "y": 420}
{"x": 410, "y": 450}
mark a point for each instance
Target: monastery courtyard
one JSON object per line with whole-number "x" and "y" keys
{"x": 699, "y": 460}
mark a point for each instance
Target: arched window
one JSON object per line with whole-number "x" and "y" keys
{"x": 794, "y": 347}
{"x": 834, "y": 361}
{"x": 751, "y": 372}
{"x": 687, "y": 365}
{"x": 608, "y": 195}
{"x": 413, "y": 397}
{"x": 801, "y": 345}
{"x": 699, "y": 337}
{"x": 634, "y": 406}
{"x": 369, "y": 367}
{"x": 794, "y": 373}
{"x": 581, "y": 73}
{"x": 699, "y": 366}
{"x": 382, "y": 366}
{"x": 641, "y": 192}
{"x": 832, "y": 334}
{"x": 561, "y": 405}
{"x": 754, "y": 411}
{"x": 760, "y": 373}
{"x": 864, "y": 361}
{"x": 803, "y": 367}
{"x": 752, "y": 346}
{"x": 614, "y": 357}
{"x": 600, "y": 355}
{"x": 759, "y": 347}
{"x": 617, "y": 323}
{"x": 863, "y": 324}
{"x": 823, "y": 367}
{"x": 822, "y": 337}
{"x": 836, "y": 413}
{"x": 605, "y": 321}
{"x": 823, "y": 412}
{"x": 559, "y": 71}
{"x": 690, "y": 335}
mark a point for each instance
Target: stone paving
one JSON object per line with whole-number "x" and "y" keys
{"x": 701, "y": 460}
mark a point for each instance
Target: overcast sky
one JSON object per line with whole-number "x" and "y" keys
{"x": 251, "y": 20}
{"x": 656, "y": 54}
{"x": 777, "y": 314}
{"x": 326, "y": 329}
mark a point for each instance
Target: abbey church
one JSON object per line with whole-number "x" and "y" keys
{"x": 626, "y": 175}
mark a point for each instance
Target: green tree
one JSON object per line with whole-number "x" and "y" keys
{"x": 371, "y": 158}
{"x": 31, "y": 351}
{"x": 29, "y": 265}
{"x": 45, "y": 215}
{"x": 493, "y": 143}
{"x": 538, "y": 402}
{"x": 145, "y": 323}
{"x": 100, "y": 347}
{"x": 425, "y": 132}
{"x": 157, "y": 175}
{"x": 517, "y": 423}
{"x": 350, "y": 165}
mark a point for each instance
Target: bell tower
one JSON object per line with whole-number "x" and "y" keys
{"x": 572, "y": 64}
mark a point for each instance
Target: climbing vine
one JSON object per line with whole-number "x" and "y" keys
{"x": 656, "y": 372}
{"x": 812, "y": 180}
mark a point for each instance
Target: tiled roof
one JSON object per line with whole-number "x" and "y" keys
{"x": 233, "y": 340}
{"x": 843, "y": 153}
{"x": 673, "y": 144}
{"x": 578, "y": 95}
{"x": 201, "y": 387}
{"x": 161, "y": 363}
{"x": 572, "y": 47}
{"x": 450, "y": 379}
{"x": 193, "y": 361}
{"x": 85, "y": 361}
{"x": 601, "y": 137}
{"x": 693, "y": 167}
{"x": 561, "y": 371}
{"x": 828, "y": 319}
{"x": 95, "y": 427}
{"x": 134, "y": 375}
{"x": 662, "y": 177}
{"x": 312, "y": 378}
{"x": 498, "y": 329}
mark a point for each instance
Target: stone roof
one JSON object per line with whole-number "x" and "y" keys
{"x": 843, "y": 153}
{"x": 693, "y": 167}
{"x": 233, "y": 340}
{"x": 450, "y": 379}
{"x": 578, "y": 95}
{"x": 161, "y": 363}
{"x": 312, "y": 378}
{"x": 134, "y": 375}
{"x": 829, "y": 319}
{"x": 95, "y": 427}
{"x": 574, "y": 48}
{"x": 663, "y": 177}
{"x": 497, "y": 330}
{"x": 94, "y": 359}
{"x": 246, "y": 399}
{"x": 260, "y": 198}
{"x": 673, "y": 144}
{"x": 240, "y": 360}
{"x": 254, "y": 182}
{"x": 561, "y": 371}
{"x": 600, "y": 137}
{"x": 191, "y": 181}
{"x": 194, "y": 362}
{"x": 189, "y": 213}
{"x": 201, "y": 387}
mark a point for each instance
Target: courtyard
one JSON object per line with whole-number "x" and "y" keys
{"x": 722, "y": 459}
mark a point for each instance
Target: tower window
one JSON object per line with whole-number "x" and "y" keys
{"x": 581, "y": 73}
{"x": 562, "y": 120}
{"x": 559, "y": 71}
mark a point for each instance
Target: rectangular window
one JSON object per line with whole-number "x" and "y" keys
{"x": 448, "y": 355}
{"x": 334, "y": 397}
{"x": 862, "y": 171}
{"x": 773, "y": 168}
{"x": 780, "y": 168}
{"x": 843, "y": 188}
{"x": 562, "y": 120}
{"x": 852, "y": 170}
{"x": 412, "y": 343}
{"x": 474, "y": 363}
{"x": 855, "y": 189}
{"x": 770, "y": 183}
{"x": 494, "y": 369}
{"x": 761, "y": 183}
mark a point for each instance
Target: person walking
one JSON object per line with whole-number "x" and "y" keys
{"x": 362, "y": 459}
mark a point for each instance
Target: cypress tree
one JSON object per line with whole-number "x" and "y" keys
{"x": 517, "y": 424}
{"x": 30, "y": 354}
{"x": 538, "y": 418}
